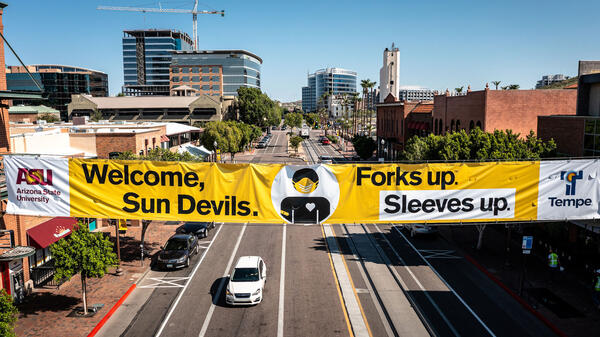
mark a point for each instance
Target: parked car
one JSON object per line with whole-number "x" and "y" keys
{"x": 261, "y": 145}
{"x": 326, "y": 159}
{"x": 247, "y": 281}
{"x": 198, "y": 228}
{"x": 325, "y": 141}
{"x": 420, "y": 229}
{"x": 177, "y": 251}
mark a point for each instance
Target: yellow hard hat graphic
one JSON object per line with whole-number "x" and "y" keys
{"x": 305, "y": 180}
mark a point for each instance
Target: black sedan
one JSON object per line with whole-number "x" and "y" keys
{"x": 200, "y": 229}
{"x": 177, "y": 251}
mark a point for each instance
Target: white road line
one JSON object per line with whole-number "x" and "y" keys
{"x": 281, "y": 286}
{"x": 221, "y": 284}
{"x": 276, "y": 141}
{"x": 187, "y": 283}
{"x": 437, "y": 308}
{"x": 447, "y": 284}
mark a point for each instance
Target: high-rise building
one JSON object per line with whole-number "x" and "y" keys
{"x": 59, "y": 82}
{"x": 215, "y": 72}
{"x": 415, "y": 93}
{"x": 335, "y": 81}
{"x": 549, "y": 79}
{"x": 389, "y": 74}
{"x": 147, "y": 57}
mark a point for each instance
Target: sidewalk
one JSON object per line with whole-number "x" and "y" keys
{"x": 551, "y": 299}
{"x": 44, "y": 312}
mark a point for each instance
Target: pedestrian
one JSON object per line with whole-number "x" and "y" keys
{"x": 596, "y": 294}
{"x": 553, "y": 265}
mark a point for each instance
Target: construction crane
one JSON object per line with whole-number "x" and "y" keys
{"x": 193, "y": 11}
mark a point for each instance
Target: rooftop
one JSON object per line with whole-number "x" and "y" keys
{"x": 144, "y": 102}
{"x": 223, "y": 52}
{"x": 30, "y": 109}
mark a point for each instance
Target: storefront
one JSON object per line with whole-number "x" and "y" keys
{"x": 41, "y": 264}
{"x": 11, "y": 271}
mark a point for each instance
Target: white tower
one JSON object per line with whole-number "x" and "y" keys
{"x": 389, "y": 75}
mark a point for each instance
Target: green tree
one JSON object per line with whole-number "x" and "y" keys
{"x": 295, "y": 142}
{"x": 228, "y": 136}
{"x": 257, "y": 108}
{"x": 496, "y": 83}
{"x": 478, "y": 145}
{"x": 85, "y": 253}
{"x": 513, "y": 87}
{"x": 160, "y": 154}
{"x": 311, "y": 119}
{"x": 8, "y": 314}
{"x": 293, "y": 120}
{"x": 96, "y": 116}
{"x": 364, "y": 146}
{"x": 48, "y": 117}
{"x": 459, "y": 89}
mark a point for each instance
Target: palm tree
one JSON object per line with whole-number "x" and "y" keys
{"x": 513, "y": 87}
{"x": 496, "y": 83}
{"x": 459, "y": 90}
{"x": 355, "y": 112}
{"x": 371, "y": 86}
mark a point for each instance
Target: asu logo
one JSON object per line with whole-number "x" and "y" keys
{"x": 571, "y": 178}
{"x": 34, "y": 176}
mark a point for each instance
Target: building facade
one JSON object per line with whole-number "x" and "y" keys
{"x": 549, "y": 79}
{"x": 579, "y": 135}
{"x": 334, "y": 81}
{"x": 411, "y": 93}
{"x": 397, "y": 121}
{"x": 389, "y": 74}
{"x": 58, "y": 82}
{"x": 147, "y": 58}
{"x": 215, "y": 72}
{"x": 490, "y": 110}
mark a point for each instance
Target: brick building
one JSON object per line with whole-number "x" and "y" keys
{"x": 397, "y": 121}
{"x": 579, "y": 135}
{"x": 491, "y": 110}
{"x": 30, "y": 114}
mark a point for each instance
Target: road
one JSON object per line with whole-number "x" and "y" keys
{"x": 325, "y": 280}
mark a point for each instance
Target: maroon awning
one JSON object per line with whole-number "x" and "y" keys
{"x": 164, "y": 138}
{"x": 47, "y": 233}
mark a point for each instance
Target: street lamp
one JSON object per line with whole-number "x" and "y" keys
{"x": 382, "y": 148}
{"x": 215, "y": 148}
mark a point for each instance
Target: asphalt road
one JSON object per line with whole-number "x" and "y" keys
{"x": 402, "y": 286}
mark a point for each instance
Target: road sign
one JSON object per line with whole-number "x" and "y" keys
{"x": 527, "y": 244}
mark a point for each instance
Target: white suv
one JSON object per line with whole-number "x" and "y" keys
{"x": 247, "y": 281}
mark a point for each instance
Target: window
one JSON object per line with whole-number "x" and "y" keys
{"x": 185, "y": 70}
{"x": 471, "y": 125}
{"x": 457, "y": 125}
{"x": 175, "y": 78}
{"x": 205, "y": 70}
{"x": 195, "y": 78}
{"x": 185, "y": 79}
{"x": 195, "y": 70}
{"x": 205, "y": 78}
{"x": 452, "y": 125}
{"x": 478, "y": 124}
{"x": 175, "y": 70}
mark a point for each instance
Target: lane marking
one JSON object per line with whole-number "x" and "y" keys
{"x": 280, "y": 312}
{"x": 221, "y": 284}
{"x": 337, "y": 284}
{"x": 362, "y": 269}
{"x": 447, "y": 284}
{"x": 187, "y": 283}
{"x": 439, "y": 254}
{"x": 165, "y": 282}
{"x": 437, "y": 308}
{"x": 362, "y": 312}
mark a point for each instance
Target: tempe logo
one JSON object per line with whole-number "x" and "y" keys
{"x": 305, "y": 194}
{"x": 570, "y": 178}
{"x": 34, "y": 176}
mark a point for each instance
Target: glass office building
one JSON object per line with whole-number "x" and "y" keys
{"x": 58, "y": 82}
{"x": 215, "y": 72}
{"x": 147, "y": 58}
{"x": 335, "y": 81}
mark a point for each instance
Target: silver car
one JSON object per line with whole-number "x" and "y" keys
{"x": 420, "y": 229}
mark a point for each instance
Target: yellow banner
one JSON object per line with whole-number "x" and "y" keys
{"x": 273, "y": 193}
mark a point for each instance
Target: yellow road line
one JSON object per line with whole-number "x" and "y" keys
{"x": 337, "y": 284}
{"x": 353, "y": 288}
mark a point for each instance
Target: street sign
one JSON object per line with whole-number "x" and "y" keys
{"x": 527, "y": 244}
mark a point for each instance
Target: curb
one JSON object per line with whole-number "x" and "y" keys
{"x": 515, "y": 296}
{"x": 111, "y": 312}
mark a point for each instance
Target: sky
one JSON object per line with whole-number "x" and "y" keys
{"x": 443, "y": 44}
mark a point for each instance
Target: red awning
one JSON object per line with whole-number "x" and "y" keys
{"x": 47, "y": 233}
{"x": 164, "y": 138}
